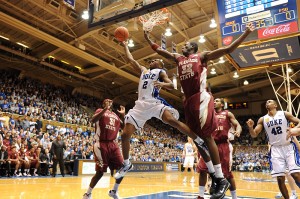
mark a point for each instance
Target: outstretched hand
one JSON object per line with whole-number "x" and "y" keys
{"x": 146, "y": 35}
{"x": 237, "y": 134}
{"x": 250, "y": 123}
{"x": 250, "y": 27}
{"x": 291, "y": 132}
{"x": 124, "y": 43}
{"x": 122, "y": 110}
{"x": 158, "y": 84}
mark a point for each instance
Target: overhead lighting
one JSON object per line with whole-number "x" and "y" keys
{"x": 213, "y": 23}
{"x": 221, "y": 61}
{"x": 78, "y": 67}
{"x": 246, "y": 82}
{"x": 235, "y": 75}
{"x": 290, "y": 70}
{"x": 51, "y": 57}
{"x": 64, "y": 62}
{"x": 168, "y": 32}
{"x": 202, "y": 39}
{"x": 130, "y": 43}
{"x": 112, "y": 82}
{"x": 213, "y": 71}
{"x": 175, "y": 82}
{"x": 22, "y": 45}
{"x": 85, "y": 14}
{"x": 6, "y": 38}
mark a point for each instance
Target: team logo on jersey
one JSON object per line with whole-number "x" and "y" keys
{"x": 267, "y": 120}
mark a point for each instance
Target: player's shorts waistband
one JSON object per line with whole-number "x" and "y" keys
{"x": 282, "y": 144}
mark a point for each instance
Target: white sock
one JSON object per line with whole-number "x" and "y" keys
{"x": 210, "y": 167}
{"x": 89, "y": 190}
{"x": 201, "y": 191}
{"x": 116, "y": 186}
{"x": 233, "y": 194}
{"x": 294, "y": 192}
{"x": 218, "y": 169}
{"x": 35, "y": 170}
{"x": 126, "y": 161}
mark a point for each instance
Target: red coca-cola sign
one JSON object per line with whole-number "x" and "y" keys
{"x": 227, "y": 40}
{"x": 281, "y": 29}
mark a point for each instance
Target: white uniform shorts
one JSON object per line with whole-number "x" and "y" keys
{"x": 145, "y": 110}
{"x": 283, "y": 158}
{"x": 189, "y": 161}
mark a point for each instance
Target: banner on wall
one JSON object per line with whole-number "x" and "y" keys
{"x": 70, "y": 3}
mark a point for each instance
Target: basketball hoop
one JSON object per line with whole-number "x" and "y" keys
{"x": 155, "y": 18}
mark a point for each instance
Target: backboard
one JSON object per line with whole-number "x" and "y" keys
{"x": 103, "y": 13}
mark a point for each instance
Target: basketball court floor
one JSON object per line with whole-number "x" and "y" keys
{"x": 162, "y": 185}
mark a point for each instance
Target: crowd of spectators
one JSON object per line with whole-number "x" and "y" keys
{"x": 33, "y": 113}
{"x": 25, "y": 96}
{"x": 251, "y": 159}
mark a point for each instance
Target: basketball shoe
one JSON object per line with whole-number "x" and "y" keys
{"x": 87, "y": 196}
{"x": 199, "y": 197}
{"x": 294, "y": 196}
{"x": 212, "y": 188}
{"x": 222, "y": 185}
{"x": 122, "y": 172}
{"x": 279, "y": 195}
{"x": 113, "y": 194}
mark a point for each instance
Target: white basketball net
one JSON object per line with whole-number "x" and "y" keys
{"x": 154, "y": 18}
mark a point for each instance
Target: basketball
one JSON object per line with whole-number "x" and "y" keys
{"x": 121, "y": 33}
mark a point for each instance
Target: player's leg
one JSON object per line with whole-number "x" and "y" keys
{"x": 192, "y": 173}
{"x": 292, "y": 159}
{"x": 282, "y": 187}
{"x": 128, "y": 130}
{"x": 168, "y": 118}
{"x": 100, "y": 157}
{"x": 93, "y": 183}
{"x": 116, "y": 161}
{"x": 185, "y": 170}
{"x": 232, "y": 188}
{"x": 279, "y": 164}
{"x": 293, "y": 185}
{"x": 202, "y": 182}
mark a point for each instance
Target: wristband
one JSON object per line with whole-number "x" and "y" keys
{"x": 155, "y": 46}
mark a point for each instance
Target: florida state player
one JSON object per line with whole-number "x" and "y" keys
{"x": 198, "y": 106}
{"x": 225, "y": 120}
{"x": 24, "y": 161}
{"x": 33, "y": 158}
{"x": 106, "y": 150}
{"x": 13, "y": 160}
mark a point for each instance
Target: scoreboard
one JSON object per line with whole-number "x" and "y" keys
{"x": 276, "y": 30}
{"x": 270, "y": 18}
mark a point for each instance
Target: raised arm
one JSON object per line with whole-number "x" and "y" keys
{"x": 293, "y": 119}
{"x": 259, "y": 127}
{"x": 215, "y": 54}
{"x": 99, "y": 113}
{"x": 166, "y": 54}
{"x": 236, "y": 124}
{"x": 167, "y": 83}
{"x": 132, "y": 61}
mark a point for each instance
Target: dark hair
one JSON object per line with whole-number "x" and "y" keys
{"x": 222, "y": 101}
{"x": 195, "y": 46}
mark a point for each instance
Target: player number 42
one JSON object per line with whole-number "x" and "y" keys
{"x": 276, "y": 130}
